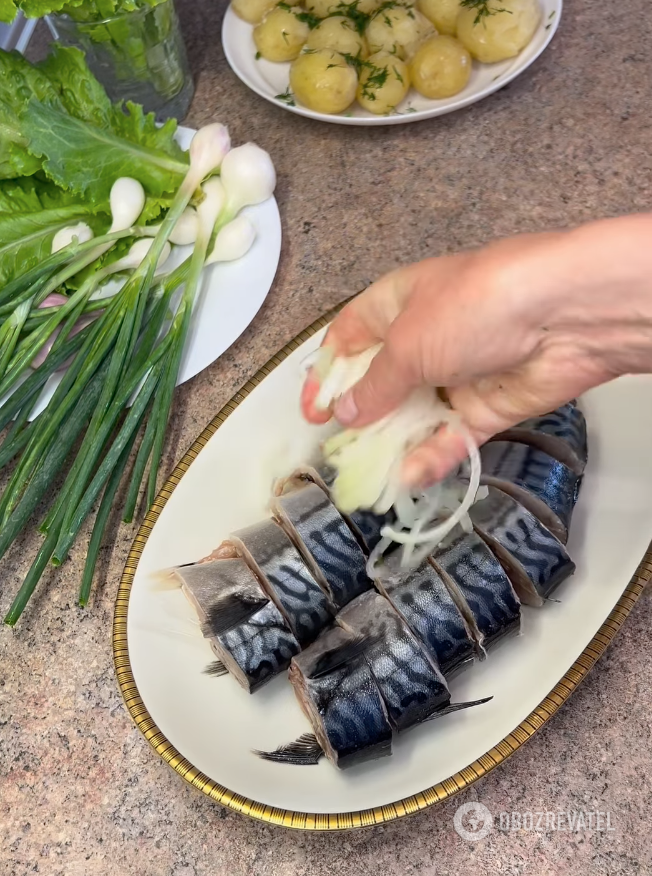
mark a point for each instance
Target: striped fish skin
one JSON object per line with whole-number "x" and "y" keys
{"x": 261, "y": 647}
{"x": 423, "y": 601}
{"x": 365, "y": 525}
{"x": 253, "y": 650}
{"x": 409, "y": 681}
{"x": 329, "y": 547}
{"x": 546, "y": 487}
{"x": 369, "y": 526}
{"x": 536, "y": 561}
{"x": 344, "y": 706}
{"x": 561, "y": 433}
{"x": 286, "y": 579}
{"x": 479, "y": 585}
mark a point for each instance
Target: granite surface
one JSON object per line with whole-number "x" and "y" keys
{"x": 81, "y": 792}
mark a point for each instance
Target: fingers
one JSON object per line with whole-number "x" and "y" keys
{"x": 390, "y": 378}
{"x": 363, "y": 323}
{"x": 436, "y": 457}
{"x": 366, "y": 320}
{"x": 309, "y": 409}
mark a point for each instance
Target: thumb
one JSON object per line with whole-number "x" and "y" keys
{"x": 383, "y": 388}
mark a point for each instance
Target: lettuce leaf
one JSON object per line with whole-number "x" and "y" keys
{"x": 56, "y": 116}
{"x": 133, "y": 124}
{"x": 80, "y": 93}
{"x": 20, "y": 81}
{"x": 31, "y": 212}
{"x": 8, "y": 11}
{"x": 15, "y": 160}
{"x": 88, "y": 159}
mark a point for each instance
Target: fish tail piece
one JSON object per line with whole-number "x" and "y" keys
{"x": 304, "y": 751}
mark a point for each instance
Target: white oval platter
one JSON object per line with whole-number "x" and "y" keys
{"x": 207, "y": 727}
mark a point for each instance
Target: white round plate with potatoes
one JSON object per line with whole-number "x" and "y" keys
{"x": 271, "y": 80}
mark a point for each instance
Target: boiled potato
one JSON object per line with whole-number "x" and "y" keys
{"x": 398, "y": 31}
{"x": 503, "y": 33}
{"x": 384, "y": 82}
{"x": 321, "y": 8}
{"x": 442, "y": 13}
{"x": 252, "y": 11}
{"x": 323, "y": 81}
{"x": 440, "y": 68}
{"x": 339, "y": 34}
{"x": 280, "y": 35}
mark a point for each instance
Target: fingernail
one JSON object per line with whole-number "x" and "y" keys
{"x": 346, "y": 410}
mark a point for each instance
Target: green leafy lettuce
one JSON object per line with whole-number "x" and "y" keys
{"x": 31, "y": 213}
{"x": 56, "y": 117}
{"x": 8, "y": 10}
{"x": 80, "y": 10}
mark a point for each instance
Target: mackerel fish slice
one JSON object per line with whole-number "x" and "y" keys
{"x": 365, "y": 525}
{"x": 408, "y": 678}
{"x": 325, "y": 542}
{"x": 246, "y": 631}
{"x": 342, "y": 702}
{"x": 534, "y": 559}
{"x": 423, "y": 601}
{"x": 285, "y": 578}
{"x": 546, "y": 487}
{"x": 479, "y": 586}
{"x": 562, "y": 434}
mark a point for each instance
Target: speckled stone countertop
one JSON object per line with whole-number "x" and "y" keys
{"x": 81, "y": 792}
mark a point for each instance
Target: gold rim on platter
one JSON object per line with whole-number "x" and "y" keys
{"x": 366, "y": 817}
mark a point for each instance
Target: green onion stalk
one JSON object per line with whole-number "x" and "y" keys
{"x": 134, "y": 365}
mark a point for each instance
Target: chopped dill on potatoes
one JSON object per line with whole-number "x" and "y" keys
{"x": 287, "y": 97}
{"x": 376, "y": 79}
{"x": 350, "y": 10}
{"x": 482, "y": 7}
{"x": 307, "y": 17}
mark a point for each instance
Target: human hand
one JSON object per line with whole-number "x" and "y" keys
{"x": 509, "y": 331}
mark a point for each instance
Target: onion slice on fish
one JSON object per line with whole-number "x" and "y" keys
{"x": 369, "y": 461}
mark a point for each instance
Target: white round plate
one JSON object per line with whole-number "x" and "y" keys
{"x": 270, "y": 80}
{"x": 207, "y": 727}
{"x": 230, "y": 295}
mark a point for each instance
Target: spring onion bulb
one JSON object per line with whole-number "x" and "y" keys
{"x": 369, "y": 464}
{"x": 208, "y": 148}
{"x": 248, "y": 177}
{"x": 65, "y": 236}
{"x": 135, "y": 256}
{"x": 184, "y": 232}
{"x": 127, "y": 199}
{"x": 233, "y": 240}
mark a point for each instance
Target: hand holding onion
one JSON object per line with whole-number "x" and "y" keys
{"x": 509, "y": 332}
